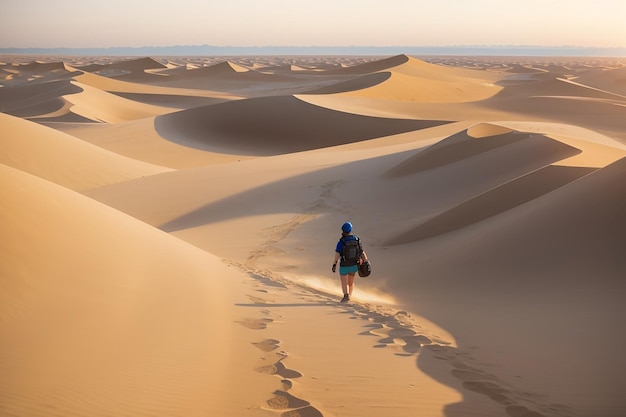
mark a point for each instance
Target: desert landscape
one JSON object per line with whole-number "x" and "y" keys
{"x": 169, "y": 224}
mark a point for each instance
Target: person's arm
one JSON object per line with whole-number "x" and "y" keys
{"x": 363, "y": 254}
{"x": 337, "y": 255}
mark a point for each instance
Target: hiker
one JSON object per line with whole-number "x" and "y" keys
{"x": 351, "y": 253}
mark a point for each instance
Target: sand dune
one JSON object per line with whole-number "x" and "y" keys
{"x": 462, "y": 146}
{"x": 64, "y": 159}
{"x": 224, "y": 68}
{"x": 131, "y": 65}
{"x": 226, "y": 76}
{"x": 191, "y": 275}
{"x": 404, "y": 78}
{"x": 416, "y": 80}
{"x": 229, "y": 77}
{"x": 490, "y": 203}
{"x": 133, "y": 70}
{"x": 30, "y": 100}
{"x": 117, "y": 325}
{"x": 118, "y": 86}
{"x": 542, "y": 265}
{"x": 97, "y": 105}
{"x": 36, "y": 72}
{"x": 375, "y": 66}
{"x": 157, "y": 95}
{"x": 613, "y": 80}
{"x": 71, "y": 101}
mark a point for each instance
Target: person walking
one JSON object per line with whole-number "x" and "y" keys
{"x": 349, "y": 252}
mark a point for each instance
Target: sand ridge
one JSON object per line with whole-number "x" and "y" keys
{"x": 168, "y": 226}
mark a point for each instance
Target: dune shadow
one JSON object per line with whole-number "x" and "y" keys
{"x": 275, "y": 125}
{"x": 495, "y": 201}
{"x": 36, "y": 98}
{"x": 170, "y": 100}
{"x": 515, "y": 402}
{"x": 256, "y": 201}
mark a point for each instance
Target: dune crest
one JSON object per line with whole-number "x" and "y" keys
{"x": 119, "y": 86}
{"x": 101, "y": 106}
{"x": 419, "y": 81}
{"x": 495, "y": 201}
{"x": 376, "y": 66}
{"x": 483, "y": 130}
{"x": 462, "y": 146}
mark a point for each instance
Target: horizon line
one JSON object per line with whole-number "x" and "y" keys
{"x": 476, "y": 45}
{"x": 201, "y": 49}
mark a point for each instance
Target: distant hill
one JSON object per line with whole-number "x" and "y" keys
{"x": 189, "y": 50}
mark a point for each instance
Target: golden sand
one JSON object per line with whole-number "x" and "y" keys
{"x": 168, "y": 227}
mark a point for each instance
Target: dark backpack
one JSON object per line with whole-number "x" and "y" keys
{"x": 351, "y": 251}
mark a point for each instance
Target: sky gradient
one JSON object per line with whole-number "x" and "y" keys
{"x": 112, "y": 23}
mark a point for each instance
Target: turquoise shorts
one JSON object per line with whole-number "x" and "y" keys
{"x": 345, "y": 270}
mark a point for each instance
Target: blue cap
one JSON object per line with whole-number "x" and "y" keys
{"x": 347, "y": 227}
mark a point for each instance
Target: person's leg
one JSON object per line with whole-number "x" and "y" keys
{"x": 350, "y": 284}
{"x": 344, "y": 284}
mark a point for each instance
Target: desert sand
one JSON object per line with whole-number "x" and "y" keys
{"x": 168, "y": 227}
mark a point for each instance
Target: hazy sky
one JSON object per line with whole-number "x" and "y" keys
{"x": 106, "y": 23}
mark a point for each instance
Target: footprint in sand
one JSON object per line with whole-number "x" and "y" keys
{"x": 303, "y": 412}
{"x": 398, "y": 337}
{"x": 259, "y": 300}
{"x": 285, "y": 372}
{"x": 277, "y": 367}
{"x": 255, "y": 324}
{"x": 294, "y": 406}
{"x": 442, "y": 352}
{"x": 267, "y": 345}
{"x": 283, "y": 399}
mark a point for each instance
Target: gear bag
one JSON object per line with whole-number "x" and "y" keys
{"x": 365, "y": 269}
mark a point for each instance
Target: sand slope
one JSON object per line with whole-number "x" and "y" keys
{"x": 116, "y": 325}
{"x": 63, "y": 159}
{"x": 613, "y": 80}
